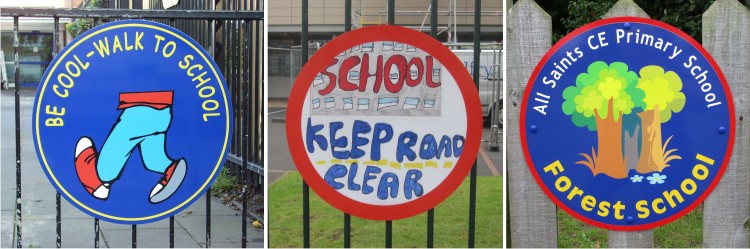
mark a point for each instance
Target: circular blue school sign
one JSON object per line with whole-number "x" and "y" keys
{"x": 627, "y": 123}
{"x": 132, "y": 121}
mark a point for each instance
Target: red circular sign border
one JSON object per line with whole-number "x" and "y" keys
{"x": 631, "y": 19}
{"x": 371, "y": 34}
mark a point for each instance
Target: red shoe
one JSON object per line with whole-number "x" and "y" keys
{"x": 85, "y": 160}
{"x": 173, "y": 177}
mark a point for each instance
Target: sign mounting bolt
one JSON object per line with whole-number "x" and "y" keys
{"x": 626, "y": 25}
{"x": 722, "y": 129}
{"x": 533, "y": 128}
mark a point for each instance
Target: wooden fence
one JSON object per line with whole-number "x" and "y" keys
{"x": 726, "y": 216}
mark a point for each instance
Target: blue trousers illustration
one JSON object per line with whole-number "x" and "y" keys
{"x": 143, "y": 124}
{"x": 137, "y": 126}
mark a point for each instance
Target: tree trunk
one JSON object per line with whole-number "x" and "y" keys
{"x": 652, "y": 153}
{"x": 609, "y": 161}
{"x": 631, "y": 148}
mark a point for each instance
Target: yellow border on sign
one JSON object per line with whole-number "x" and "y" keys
{"x": 39, "y": 138}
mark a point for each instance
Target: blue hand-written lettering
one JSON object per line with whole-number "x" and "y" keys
{"x": 335, "y": 171}
{"x": 377, "y": 140}
{"x": 353, "y": 173}
{"x": 388, "y": 181}
{"x": 405, "y": 141}
{"x": 428, "y": 147}
{"x": 411, "y": 184}
{"x": 360, "y": 127}
{"x": 389, "y": 185}
{"x": 340, "y": 142}
{"x": 369, "y": 175}
{"x": 312, "y": 136}
{"x": 410, "y": 146}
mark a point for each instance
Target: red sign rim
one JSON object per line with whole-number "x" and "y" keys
{"x": 631, "y": 19}
{"x": 371, "y": 34}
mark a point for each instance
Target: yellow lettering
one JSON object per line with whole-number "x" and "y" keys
{"x": 116, "y": 45}
{"x": 103, "y": 48}
{"x": 688, "y": 182}
{"x": 698, "y": 175}
{"x": 158, "y": 41}
{"x": 138, "y": 36}
{"x": 618, "y": 208}
{"x": 169, "y": 44}
{"x": 201, "y": 79}
{"x": 214, "y": 107}
{"x": 556, "y": 167}
{"x": 588, "y": 203}
{"x": 83, "y": 65}
{"x": 54, "y": 110}
{"x": 63, "y": 94}
{"x": 53, "y": 122}
{"x": 704, "y": 159}
{"x": 671, "y": 195}
{"x": 189, "y": 71}
{"x": 655, "y": 206}
{"x": 72, "y": 65}
{"x": 642, "y": 207}
{"x": 187, "y": 60}
{"x": 69, "y": 83}
{"x": 206, "y": 115}
{"x": 125, "y": 36}
{"x": 603, "y": 208}
{"x": 209, "y": 88}
{"x": 559, "y": 186}
{"x": 574, "y": 192}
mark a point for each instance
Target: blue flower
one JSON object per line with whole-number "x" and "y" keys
{"x": 636, "y": 178}
{"x": 656, "y": 178}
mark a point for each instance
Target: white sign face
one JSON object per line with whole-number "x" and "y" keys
{"x": 381, "y": 125}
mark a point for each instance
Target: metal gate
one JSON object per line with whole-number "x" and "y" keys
{"x": 473, "y": 174}
{"x": 240, "y": 57}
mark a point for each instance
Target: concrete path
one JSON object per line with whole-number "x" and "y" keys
{"x": 489, "y": 163}
{"x": 38, "y": 204}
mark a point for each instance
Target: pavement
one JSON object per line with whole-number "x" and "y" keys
{"x": 489, "y": 163}
{"x": 38, "y": 204}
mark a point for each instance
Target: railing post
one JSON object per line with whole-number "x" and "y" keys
{"x": 305, "y": 187}
{"x": 431, "y": 212}
{"x": 475, "y": 73}
{"x": 18, "y": 132}
{"x": 347, "y": 217}
{"x": 58, "y": 221}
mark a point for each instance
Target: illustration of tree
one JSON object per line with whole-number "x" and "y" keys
{"x": 598, "y": 101}
{"x": 662, "y": 98}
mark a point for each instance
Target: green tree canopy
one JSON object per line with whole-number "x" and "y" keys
{"x": 662, "y": 90}
{"x": 589, "y": 99}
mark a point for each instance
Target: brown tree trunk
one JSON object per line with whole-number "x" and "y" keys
{"x": 652, "y": 153}
{"x": 609, "y": 160}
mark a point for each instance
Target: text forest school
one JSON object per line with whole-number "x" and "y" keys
{"x": 626, "y": 123}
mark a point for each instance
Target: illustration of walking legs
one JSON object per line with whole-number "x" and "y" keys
{"x": 143, "y": 123}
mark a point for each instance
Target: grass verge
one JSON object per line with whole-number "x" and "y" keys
{"x": 686, "y": 232}
{"x": 326, "y": 222}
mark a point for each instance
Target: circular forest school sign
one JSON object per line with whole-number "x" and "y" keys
{"x": 132, "y": 121}
{"x": 384, "y": 122}
{"x": 627, "y": 123}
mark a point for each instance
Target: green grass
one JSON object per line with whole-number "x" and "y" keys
{"x": 327, "y": 229}
{"x": 682, "y": 233}
{"x": 224, "y": 182}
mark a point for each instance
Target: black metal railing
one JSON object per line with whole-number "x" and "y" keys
{"x": 239, "y": 54}
{"x": 473, "y": 174}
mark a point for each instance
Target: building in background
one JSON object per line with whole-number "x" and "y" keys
{"x": 35, "y": 41}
